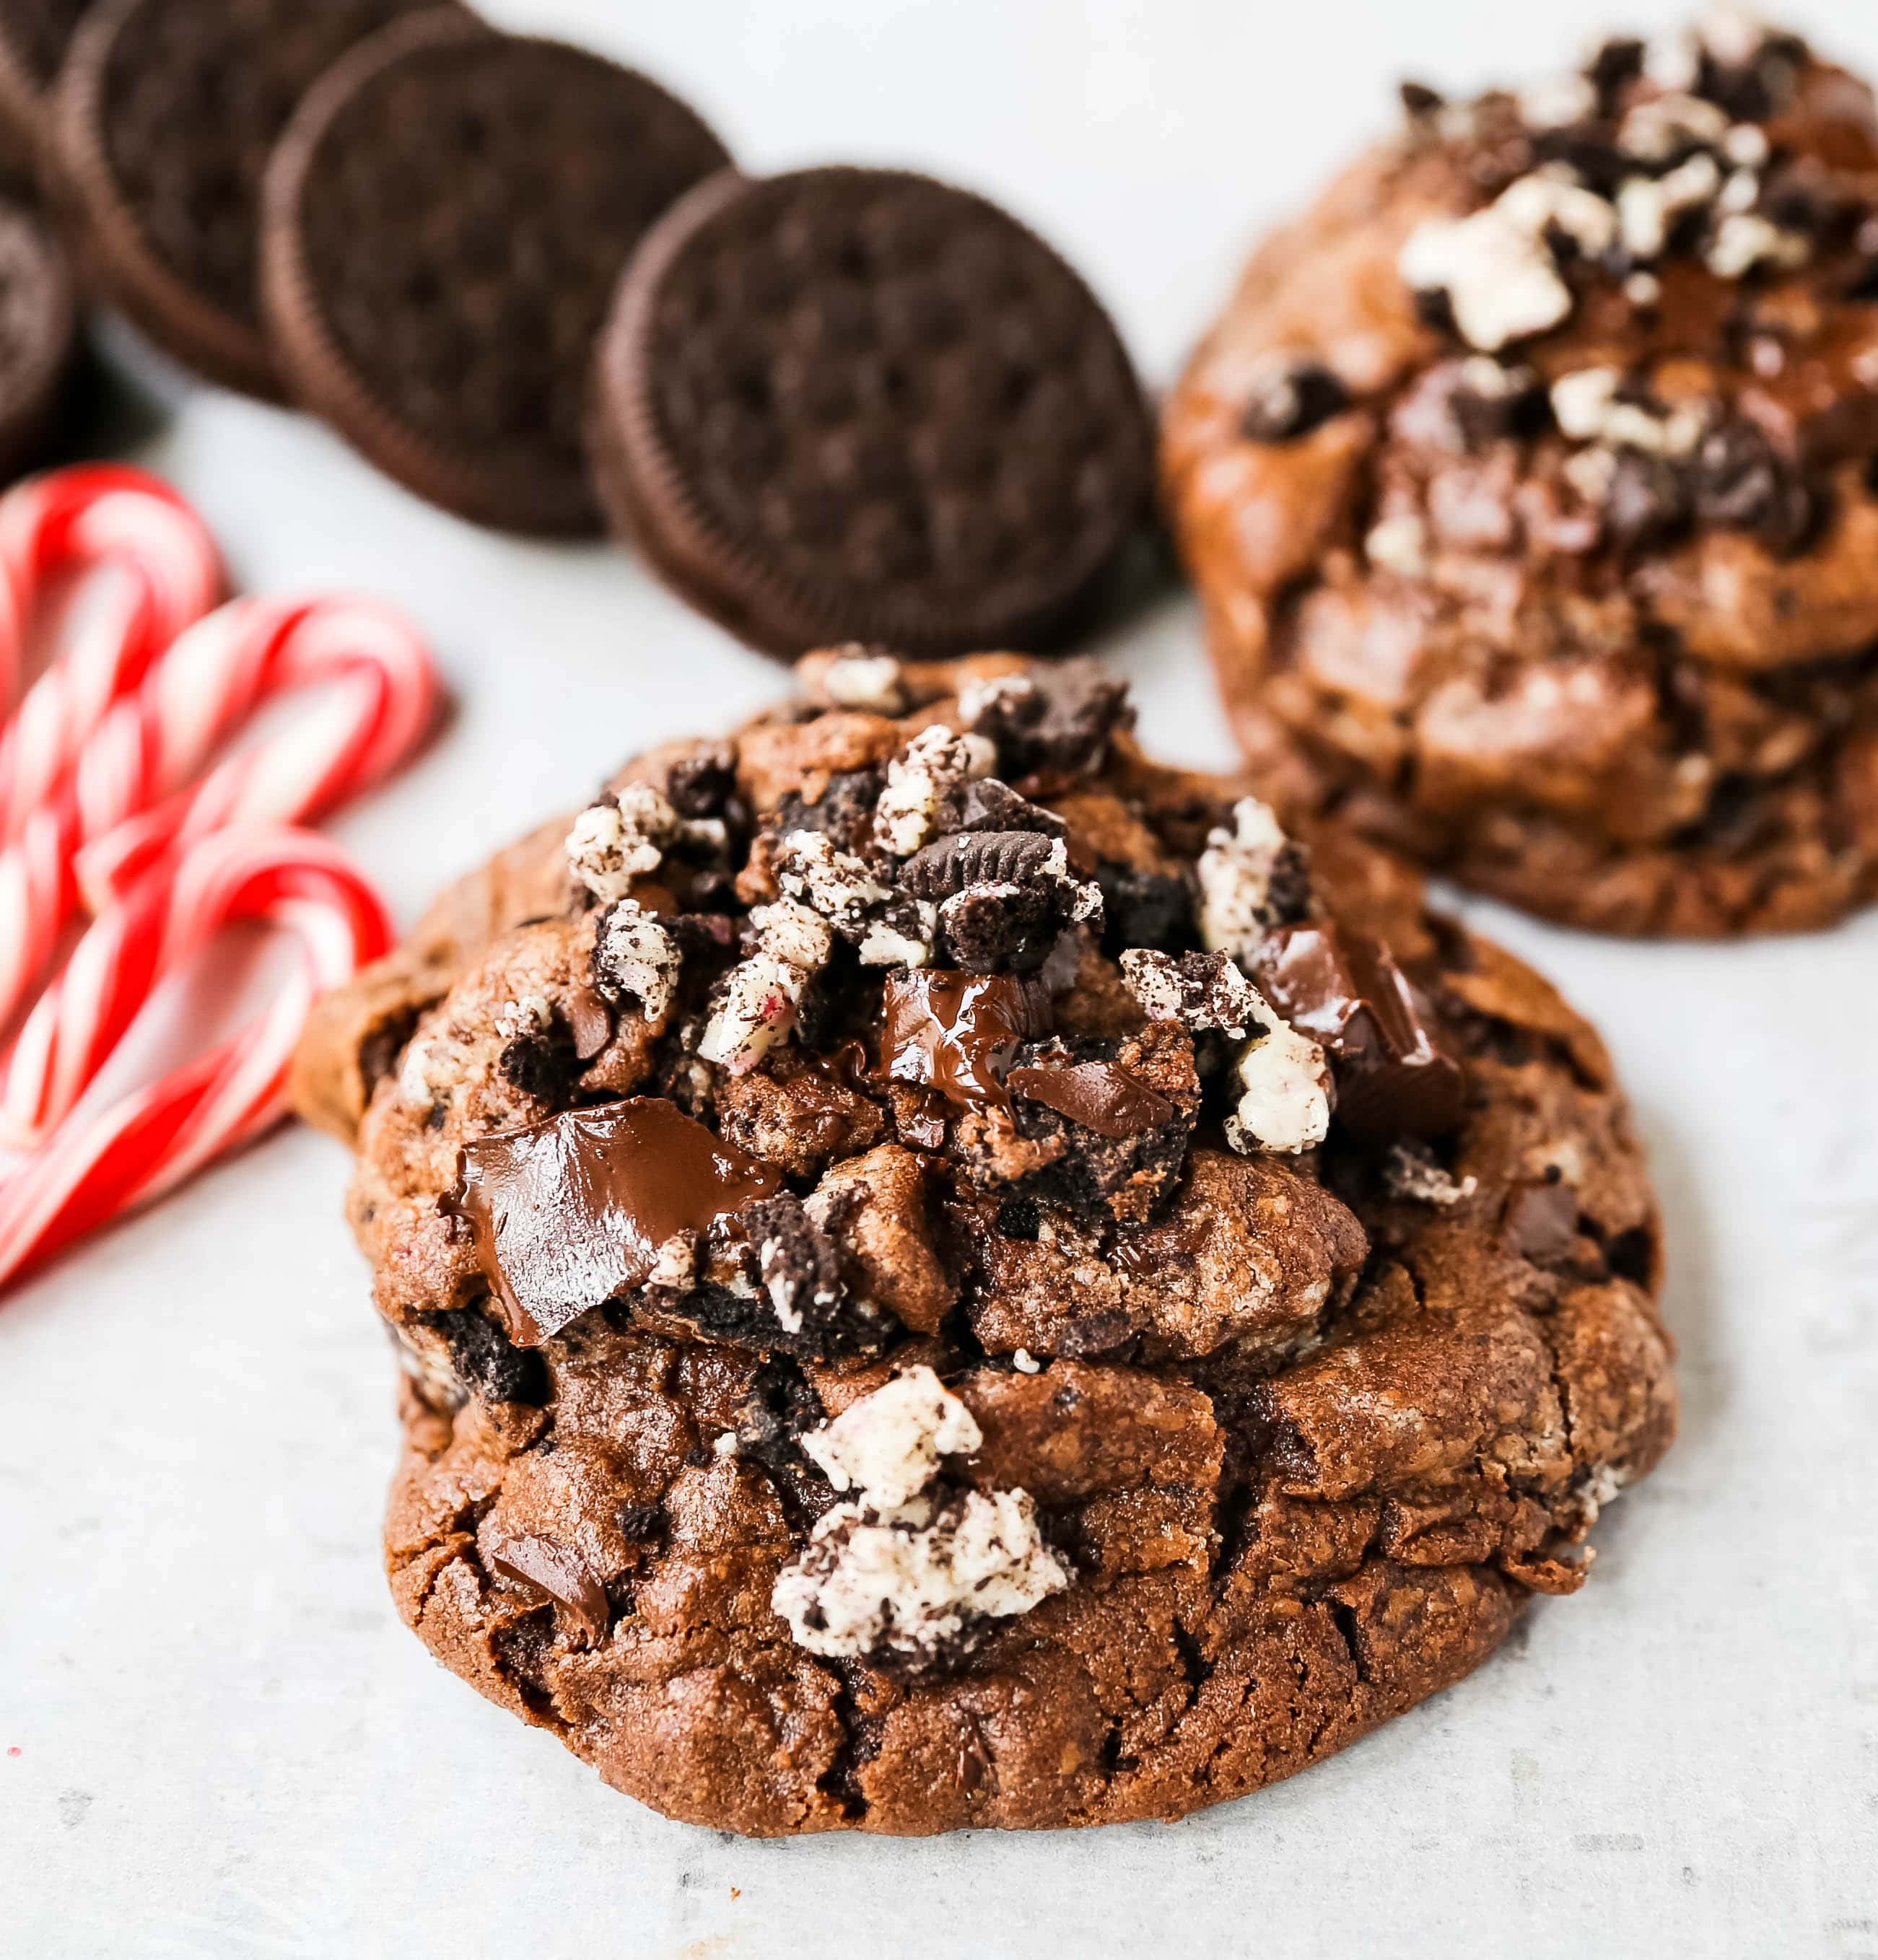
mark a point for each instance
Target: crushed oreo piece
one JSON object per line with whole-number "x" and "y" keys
{"x": 487, "y": 1361}
{"x": 843, "y": 811}
{"x": 797, "y": 1265}
{"x": 1146, "y": 908}
{"x": 978, "y": 857}
{"x": 1743, "y": 482}
{"x": 1205, "y": 992}
{"x": 1419, "y": 102}
{"x": 543, "y": 1063}
{"x": 1122, "y": 1144}
{"x": 994, "y": 928}
{"x": 702, "y": 783}
{"x": 1056, "y": 723}
{"x": 990, "y": 804}
{"x": 1617, "y": 62}
{"x": 1491, "y": 402}
{"x": 1020, "y": 1218}
{"x": 1646, "y": 500}
{"x": 745, "y": 1317}
{"x": 1290, "y": 399}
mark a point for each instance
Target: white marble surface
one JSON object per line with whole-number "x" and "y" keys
{"x": 214, "y": 1737}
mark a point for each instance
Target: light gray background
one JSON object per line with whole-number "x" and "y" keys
{"x": 214, "y": 1737}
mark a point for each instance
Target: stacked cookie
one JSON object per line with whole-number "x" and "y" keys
{"x": 948, "y": 1275}
{"x": 1531, "y": 484}
{"x": 841, "y": 403}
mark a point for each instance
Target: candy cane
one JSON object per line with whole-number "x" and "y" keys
{"x": 123, "y": 804}
{"x": 169, "y": 574}
{"x": 167, "y": 918}
{"x": 110, "y": 1155}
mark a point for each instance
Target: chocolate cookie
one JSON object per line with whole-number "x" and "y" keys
{"x": 448, "y": 331}
{"x": 34, "y": 35}
{"x": 165, "y": 116}
{"x": 860, "y": 404}
{"x": 38, "y": 337}
{"x": 949, "y": 1276}
{"x": 1559, "y": 416}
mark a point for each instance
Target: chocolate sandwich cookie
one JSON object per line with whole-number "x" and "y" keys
{"x": 34, "y": 35}
{"x": 447, "y": 330}
{"x": 1531, "y": 484}
{"x": 949, "y": 1276}
{"x": 163, "y": 120}
{"x": 38, "y": 337}
{"x": 851, "y": 404}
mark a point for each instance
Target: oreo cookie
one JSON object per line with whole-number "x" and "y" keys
{"x": 862, "y": 405}
{"x": 162, "y": 124}
{"x": 446, "y": 219}
{"x": 38, "y": 337}
{"x": 34, "y": 35}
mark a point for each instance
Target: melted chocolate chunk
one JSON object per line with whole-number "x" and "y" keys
{"x": 1347, "y": 992}
{"x": 956, "y": 1033}
{"x": 1290, "y": 402}
{"x": 559, "y": 1571}
{"x": 1539, "y": 1219}
{"x": 1096, "y": 1094}
{"x": 569, "y": 1212}
{"x": 590, "y": 1022}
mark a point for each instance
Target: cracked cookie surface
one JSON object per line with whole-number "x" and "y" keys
{"x": 1529, "y": 483}
{"x": 846, "y": 1390}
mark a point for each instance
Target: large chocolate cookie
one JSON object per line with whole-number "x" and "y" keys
{"x": 1531, "y": 482}
{"x": 949, "y": 1276}
{"x": 850, "y": 404}
{"x": 446, "y": 220}
{"x": 38, "y": 335}
{"x": 34, "y": 35}
{"x": 167, "y": 114}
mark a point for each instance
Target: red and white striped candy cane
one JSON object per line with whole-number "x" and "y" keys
{"x": 109, "y": 1154}
{"x": 167, "y": 919}
{"x": 124, "y": 803}
{"x": 167, "y": 573}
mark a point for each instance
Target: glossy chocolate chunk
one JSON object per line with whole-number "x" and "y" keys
{"x": 559, "y": 1572}
{"x": 1347, "y": 992}
{"x": 956, "y": 1033}
{"x": 1096, "y": 1094}
{"x": 1539, "y": 1219}
{"x": 590, "y": 1021}
{"x": 572, "y": 1211}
